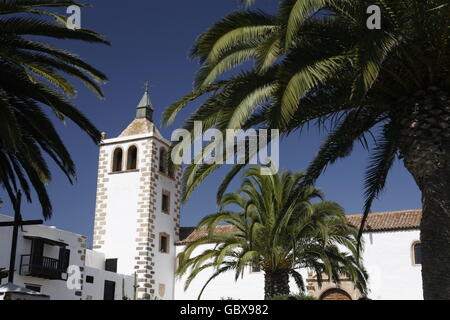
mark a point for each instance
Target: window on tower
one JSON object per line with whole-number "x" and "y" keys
{"x": 165, "y": 202}
{"x": 163, "y": 160}
{"x": 171, "y": 172}
{"x": 117, "y": 160}
{"x": 164, "y": 243}
{"x": 132, "y": 158}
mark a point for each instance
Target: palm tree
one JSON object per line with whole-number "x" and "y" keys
{"x": 33, "y": 76}
{"x": 317, "y": 61}
{"x": 279, "y": 230}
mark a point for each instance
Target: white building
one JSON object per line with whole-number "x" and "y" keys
{"x": 137, "y": 220}
{"x": 42, "y": 260}
{"x": 391, "y": 257}
{"x": 137, "y": 233}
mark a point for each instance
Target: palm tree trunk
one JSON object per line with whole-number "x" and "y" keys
{"x": 435, "y": 237}
{"x": 426, "y": 150}
{"x": 276, "y": 284}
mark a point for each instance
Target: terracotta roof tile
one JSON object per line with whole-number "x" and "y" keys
{"x": 389, "y": 221}
{"x": 202, "y": 232}
{"x": 380, "y": 221}
{"x": 140, "y": 126}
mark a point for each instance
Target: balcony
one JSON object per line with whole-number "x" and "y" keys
{"x": 44, "y": 267}
{"x": 37, "y": 265}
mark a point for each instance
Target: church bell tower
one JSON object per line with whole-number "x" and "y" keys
{"x": 137, "y": 213}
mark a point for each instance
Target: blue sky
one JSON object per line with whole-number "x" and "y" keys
{"x": 150, "y": 41}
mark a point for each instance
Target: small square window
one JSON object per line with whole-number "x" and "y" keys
{"x": 165, "y": 202}
{"x": 111, "y": 265}
{"x": 89, "y": 279}
{"x": 164, "y": 243}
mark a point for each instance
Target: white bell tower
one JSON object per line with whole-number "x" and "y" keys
{"x": 137, "y": 214}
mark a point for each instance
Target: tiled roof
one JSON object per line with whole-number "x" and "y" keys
{"x": 201, "y": 232}
{"x": 140, "y": 126}
{"x": 389, "y": 221}
{"x": 380, "y": 221}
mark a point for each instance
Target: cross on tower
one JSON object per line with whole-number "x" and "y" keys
{"x": 146, "y": 86}
{"x": 18, "y": 222}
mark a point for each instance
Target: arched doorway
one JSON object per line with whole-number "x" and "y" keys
{"x": 335, "y": 294}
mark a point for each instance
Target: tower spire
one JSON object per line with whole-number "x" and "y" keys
{"x": 144, "y": 109}
{"x": 146, "y": 86}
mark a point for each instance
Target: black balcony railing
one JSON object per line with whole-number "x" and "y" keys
{"x": 41, "y": 267}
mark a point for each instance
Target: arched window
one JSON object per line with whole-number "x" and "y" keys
{"x": 132, "y": 158}
{"x": 417, "y": 253}
{"x": 117, "y": 160}
{"x": 163, "y": 160}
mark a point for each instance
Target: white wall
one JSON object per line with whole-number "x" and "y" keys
{"x": 95, "y": 259}
{"x": 248, "y": 287}
{"x": 387, "y": 258}
{"x": 122, "y": 191}
{"x": 165, "y": 262}
{"x": 95, "y": 290}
